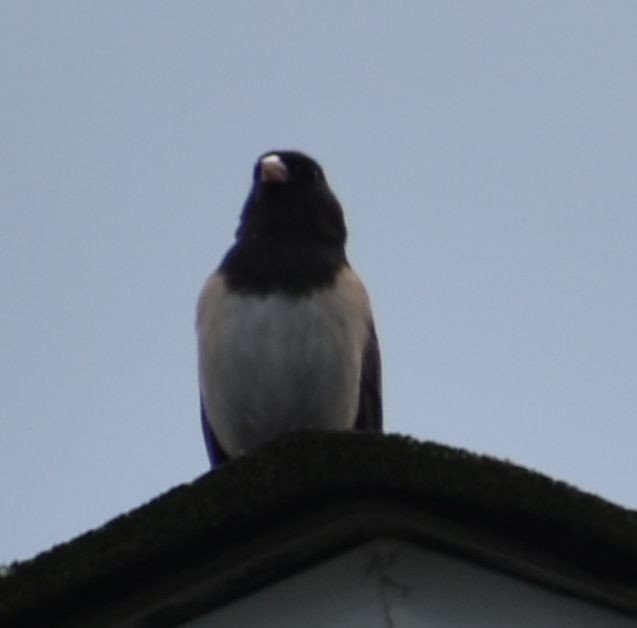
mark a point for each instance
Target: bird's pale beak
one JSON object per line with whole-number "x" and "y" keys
{"x": 273, "y": 169}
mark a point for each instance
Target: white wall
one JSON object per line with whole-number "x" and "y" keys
{"x": 390, "y": 584}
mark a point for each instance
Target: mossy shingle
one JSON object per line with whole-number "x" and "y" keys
{"x": 192, "y": 523}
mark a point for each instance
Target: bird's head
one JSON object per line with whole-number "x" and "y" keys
{"x": 290, "y": 198}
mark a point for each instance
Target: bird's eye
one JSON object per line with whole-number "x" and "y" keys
{"x": 305, "y": 172}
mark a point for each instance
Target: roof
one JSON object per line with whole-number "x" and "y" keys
{"x": 310, "y": 496}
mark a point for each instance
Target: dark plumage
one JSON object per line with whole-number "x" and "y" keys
{"x": 291, "y": 236}
{"x": 286, "y": 336}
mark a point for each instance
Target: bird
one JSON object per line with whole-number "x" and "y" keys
{"x": 285, "y": 334}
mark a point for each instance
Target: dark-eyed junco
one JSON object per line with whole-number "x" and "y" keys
{"x": 286, "y": 338}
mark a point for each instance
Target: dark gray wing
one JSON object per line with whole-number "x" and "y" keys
{"x": 370, "y": 403}
{"x": 216, "y": 454}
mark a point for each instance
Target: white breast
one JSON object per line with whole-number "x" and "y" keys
{"x": 275, "y": 364}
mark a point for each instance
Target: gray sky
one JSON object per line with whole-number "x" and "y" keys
{"x": 485, "y": 154}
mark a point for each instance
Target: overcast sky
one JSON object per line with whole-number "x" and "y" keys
{"x": 485, "y": 154}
